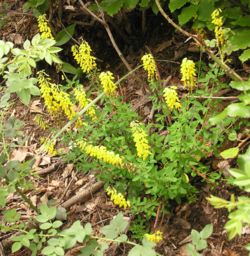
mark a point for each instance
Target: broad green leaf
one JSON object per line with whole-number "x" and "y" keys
{"x": 233, "y": 228}
{"x": 205, "y": 8}
{"x": 187, "y": 14}
{"x": 65, "y": 35}
{"x": 239, "y": 40}
{"x": 217, "y": 202}
{"x": 244, "y": 161}
{"x": 48, "y": 250}
{"x": 238, "y": 110}
{"x": 24, "y": 96}
{"x": 243, "y": 21}
{"x": 230, "y": 153}
{"x": 45, "y": 226}
{"x": 206, "y": 231}
{"x": 245, "y": 55}
{"x": 195, "y": 235}
{"x": 59, "y": 251}
{"x": 111, "y": 7}
{"x": 144, "y": 3}
{"x": 16, "y": 247}
{"x": 68, "y": 68}
{"x": 146, "y": 249}
{"x": 191, "y": 250}
{"x": 130, "y": 4}
{"x": 57, "y": 224}
{"x": 218, "y": 118}
{"x": 11, "y": 215}
{"x": 116, "y": 227}
{"x": 89, "y": 249}
{"x": 245, "y": 98}
{"x": 176, "y": 4}
{"x": 47, "y": 213}
{"x": 202, "y": 244}
{"x": 241, "y": 85}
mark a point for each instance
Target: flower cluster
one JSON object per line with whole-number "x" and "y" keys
{"x": 56, "y": 100}
{"x": 117, "y": 198}
{"x": 188, "y": 73}
{"x": 171, "y": 98}
{"x": 44, "y": 27}
{"x": 40, "y": 122}
{"x": 155, "y": 237}
{"x": 81, "y": 97}
{"x": 149, "y": 66}
{"x": 83, "y": 57}
{"x": 140, "y": 139}
{"x": 107, "y": 82}
{"x": 101, "y": 153}
{"x": 217, "y": 20}
{"x": 49, "y": 146}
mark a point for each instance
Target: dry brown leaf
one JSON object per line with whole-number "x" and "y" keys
{"x": 46, "y": 160}
{"x": 67, "y": 171}
{"x": 36, "y": 107}
{"x": 19, "y": 154}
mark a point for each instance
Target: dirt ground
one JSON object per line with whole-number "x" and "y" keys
{"x": 63, "y": 181}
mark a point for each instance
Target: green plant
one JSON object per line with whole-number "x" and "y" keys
{"x": 199, "y": 240}
{"x": 17, "y": 65}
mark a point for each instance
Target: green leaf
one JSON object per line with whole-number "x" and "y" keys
{"x": 206, "y": 231}
{"x": 239, "y": 40}
{"x": 176, "y": 4}
{"x": 238, "y": 110}
{"x": 187, "y": 13}
{"x": 45, "y": 226}
{"x": 202, "y": 244}
{"x": 59, "y": 251}
{"x": 24, "y": 96}
{"x": 65, "y": 35}
{"x": 146, "y": 249}
{"x": 130, "y": 4}
{"x": 230, "y": 153}
{"x": 245, "y": 55}
{"x": 47, "y": 213}
{"x": 111, "y": 7}
{"x": 3, "y": 196}
{"x": 205, "y": 8}
{"x": 241, "y": 85}
{"x": 11, "y": 215}
{"x": 68, "y": 68}
{"x": 48, "y": 250}
{"x": 218, "y": 118}
{"x": 191, "y": 250}
{"x": 90, "y": 248}
{"x": 115, "y": 228}
{"x": 245, "y": 98}
{"x": 16, "y": 247}
{"x": 195, "y": 235}
{"x": 233, "y": 228}
{"x": 57, "y": 224}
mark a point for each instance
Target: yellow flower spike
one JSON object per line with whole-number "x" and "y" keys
{"x": 117, "y": 198}
{"x": 40, "y": 122}
{"x": 44, "y": 28}
{"x": 149, "y": 66}
{"x": 217, "y": 20}
{"x": 83, "y": 57}
{"x": 171, "y": 98}
{"x": 49, "y": 146}
{"x": 101, "y": 153}
{"x": 141, "y": 140}
{"x": 107, "y": 82}
{"x": 81, "y": 97}
{"x": 155, "y": 237}
{"x": 188, "y": 73}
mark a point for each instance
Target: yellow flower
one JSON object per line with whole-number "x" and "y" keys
{"x": 117, "y": 198}
{"x": 171, "y": 98}
{"x": 149, "y": 66}
{"x": 40, "y": 122}
{"x": 155, "y": 237}
{"x": 217, "y": 20}
{"x": 101, "y": 153}
{"x": 107, "y": 82}
{"x": 188, "y": 73}
{"x": 56, "y": 100}
{"x": 81, "y": 97}
{"x": 49, "y": 146}
{"x": 141, "y": 140}
{"x": 83, "y": 57}
{"x": 44, "y": 27}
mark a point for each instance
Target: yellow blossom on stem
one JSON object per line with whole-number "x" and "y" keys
{"x": 155, "y": 237}
{"x": 49, "y": 146}
{"x": 217, "y": 20}
{"x": 171, "y": 98}
{"x": 40, "y": 122}
{"x": 81, "y": 97}
{"x": 101, "y": 153}
{"x": 117, "y": 198}
{"x": 83, "y": 57}
{"x": 140, "y": 139}
{"x": 44, "y": 27}
{"x": 188, "y": 73}
{"x": 149, "y": 66}
{"x": 107, "y": 82}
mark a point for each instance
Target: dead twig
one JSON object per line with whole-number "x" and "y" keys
{"x": 107, "y": 28}
{"x": 83, "y": 195}
{"x": 49, "y": 169}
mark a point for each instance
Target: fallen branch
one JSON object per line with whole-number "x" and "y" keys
{"x": 230, "y": 72}
{"x": 83, "y": 195}
{"x": 49, "y": 169}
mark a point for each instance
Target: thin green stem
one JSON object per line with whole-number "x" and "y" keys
{"x": 112, "y": 240}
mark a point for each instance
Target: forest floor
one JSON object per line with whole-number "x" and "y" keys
{"x": 62, "y": 182}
